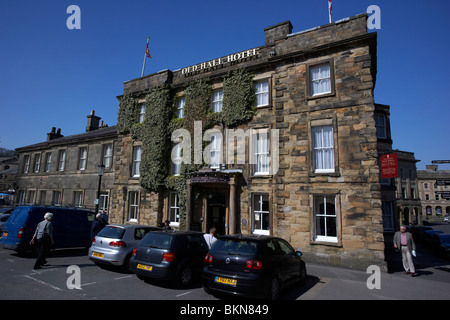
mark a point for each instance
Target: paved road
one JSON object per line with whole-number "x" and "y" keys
{"x": 20, "y": 281}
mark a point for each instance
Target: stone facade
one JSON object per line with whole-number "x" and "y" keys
{"x": 434, "y": 204}
{"x": 332, "y": 212}
{"x": 63, "y": 171}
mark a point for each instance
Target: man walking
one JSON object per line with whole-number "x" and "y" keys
{"x": 404, "y": 242}
{"x": 44, "y": 237}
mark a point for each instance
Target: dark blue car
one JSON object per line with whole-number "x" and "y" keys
{"x": 72, "y": 227}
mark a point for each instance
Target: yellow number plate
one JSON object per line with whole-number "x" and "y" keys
{"x": 231, "y": 282}
{"x": 5, "y": 234}
{"x": 97, "y": 254}
{"x": 144, "y": 267}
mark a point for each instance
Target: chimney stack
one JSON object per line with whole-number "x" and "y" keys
{"x": 93, "y": 122}
{"x": 54, "y": 134}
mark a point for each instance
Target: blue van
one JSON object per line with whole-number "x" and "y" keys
{"x": 71, "y": 227}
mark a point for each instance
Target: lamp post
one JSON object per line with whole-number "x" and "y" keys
{"x": 101, "y": 169}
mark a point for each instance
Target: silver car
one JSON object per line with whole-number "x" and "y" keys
{"x": 114, "y": 244}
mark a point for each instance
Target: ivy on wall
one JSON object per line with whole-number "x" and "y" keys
{"x": 159, "y": 123}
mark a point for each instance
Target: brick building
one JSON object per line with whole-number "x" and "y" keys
{"x": 306, "y": 167}
{"x": 63, "y": 170}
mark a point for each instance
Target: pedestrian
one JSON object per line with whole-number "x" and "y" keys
{"x": 210, "y": 237}
{"x": 167, "y": 226}
{"x": 97, "y": 225}
{"x": 44, "y": 237}
{"x": 404, "y": 242}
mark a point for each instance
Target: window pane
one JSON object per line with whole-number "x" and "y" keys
{"x": 320, "y": 79}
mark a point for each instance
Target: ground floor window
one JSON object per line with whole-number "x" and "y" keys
{"x": 260, "y": 214}
{"x": 325, "y": 222}
{"x": 133, "y": 208}
{"x": 174, "y": 209}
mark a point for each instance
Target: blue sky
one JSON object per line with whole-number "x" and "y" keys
{"x": 51, "y": 76}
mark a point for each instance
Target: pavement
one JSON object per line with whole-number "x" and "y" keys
{"x": 431, "y": 281}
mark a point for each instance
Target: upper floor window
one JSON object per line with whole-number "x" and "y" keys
{"x": 320, "y": 79}
{"x": 62, "y": 160}
{"x": 26, "y": 164}
{"x": 261, "y": 152}
{"x": 37, "y": 162}
{"x": 136, "y": 161}
{"x": 380, "y": 124}
{"x": 323, "y": 149}
{"x": 82, "y": 158}
{"x": 141, "y": 113}
{"x": 180, "y": 107}
{"x": 217, "y": 99}
{"x": 176, "y": 160}
{"x": 48, "y": 161}
{"x": 262, "y": 93}
{"x": 107, "y": 155}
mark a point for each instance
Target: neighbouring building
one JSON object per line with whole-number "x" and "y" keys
{"x": 434, "y": 192}
{"x": 282, "y": 139}
{"x": 63, "y": 171}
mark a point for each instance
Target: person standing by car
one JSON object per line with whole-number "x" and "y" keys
{"x": 404, "y": 242}
{"x": 210, "y": 238}
{"x": 44, "y": 237}
{"x": 97, "y": 225}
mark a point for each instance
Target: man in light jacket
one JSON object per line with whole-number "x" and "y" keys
{"x": 44, "y": 237}
{"x": 404, "y": 242}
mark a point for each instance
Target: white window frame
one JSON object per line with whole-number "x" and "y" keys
{"x": 322, "y": 150}
{"x": 37, "y": 162}
{"x": 262, "y": 90}
{"x": 137, "y": 153}
{"x": 26, "y": 163}
{"x": 258, "y": 214}
{"x": 176, "y": 161}
{"x": 261, "y": 152}
{"x": 82, "y": 161}
{"x": 57, "y": 198}
{"x": 217, "y": 101}
{"x": 215, "y": 151}
{"x": 107, "y": 155}
{"x": 326, "y": 215}
{"x": 62, "y": 160}
{"x": 78, "y": 199}
{"x": 133, "y": 206}
{"x": 322, "y": 83}
{"x": 174, "y": 210}
{"x": 141, "y": 113}
{"x": 48, "y": 161}
{"x": 181, "y": 102}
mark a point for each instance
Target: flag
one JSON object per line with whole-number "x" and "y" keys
{"x": 330, "y": 9}
{"x": 147, "y": 52}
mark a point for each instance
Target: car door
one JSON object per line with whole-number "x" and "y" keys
{"x": 292, "y": 266}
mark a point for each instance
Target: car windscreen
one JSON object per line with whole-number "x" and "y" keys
{"x": 157, "y": 240}
{"x": 235, "y": 247}
{"x": 111, "y": 232}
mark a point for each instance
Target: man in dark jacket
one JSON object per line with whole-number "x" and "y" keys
{"x": 44, "y": 237}
{"x": 97, "y": 225}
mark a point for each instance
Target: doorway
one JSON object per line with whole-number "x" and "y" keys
{"x": 216, "y": 212}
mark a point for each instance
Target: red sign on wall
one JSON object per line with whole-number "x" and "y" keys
{"x": 389, "y": 166}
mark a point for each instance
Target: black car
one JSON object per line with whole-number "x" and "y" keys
{"x": 252, "y": 265}
{"x": 173, "y": 256}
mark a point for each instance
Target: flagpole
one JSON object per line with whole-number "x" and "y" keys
{"x": 329, "y": 10}
{"x": 145, "y": 59}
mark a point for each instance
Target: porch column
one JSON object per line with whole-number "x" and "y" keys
{"x": 232, "y": 216}
{"x": 188, "y": 206}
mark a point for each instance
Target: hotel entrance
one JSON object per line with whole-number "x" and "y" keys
{"x": 211, "y": 202}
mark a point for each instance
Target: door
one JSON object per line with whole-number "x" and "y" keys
{"x": 216, "y": 218}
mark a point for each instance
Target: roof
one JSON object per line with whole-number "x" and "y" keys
{"x": 100, "y": 133}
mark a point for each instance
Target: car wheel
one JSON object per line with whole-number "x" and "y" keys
{"x": 186, "y": 275}
{"x": 274, "y": 289}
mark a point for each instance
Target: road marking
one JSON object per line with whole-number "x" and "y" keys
{"x": 42, "y": 282}
{"x": 124, "y": 277}
{"x": 183, "y": 294}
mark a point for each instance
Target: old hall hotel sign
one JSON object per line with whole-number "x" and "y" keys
{"x": 221, "y": 62}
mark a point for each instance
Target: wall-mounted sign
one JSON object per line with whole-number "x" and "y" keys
{"x": 221, "y": 62}
{"x": 389, "y": 166}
